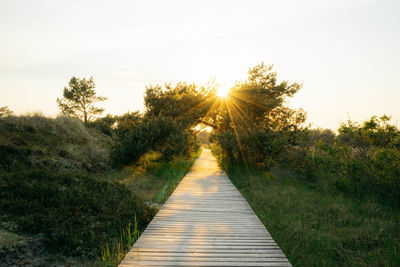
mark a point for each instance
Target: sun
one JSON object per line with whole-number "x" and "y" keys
{"x": 223, "y": 91}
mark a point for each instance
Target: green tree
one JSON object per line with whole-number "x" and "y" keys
{"x": 254, "y": 123}
{"x": 186, "y": 103}
{"x": 5, "y": 112}
{"x": 167, "y": 124}
{"x": 78, "y": 99}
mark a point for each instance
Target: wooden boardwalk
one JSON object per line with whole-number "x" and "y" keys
{"x": 205, "y": 222}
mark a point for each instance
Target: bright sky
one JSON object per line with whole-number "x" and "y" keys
{"x": 346, "y": 52}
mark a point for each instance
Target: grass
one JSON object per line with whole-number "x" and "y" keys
{"x": 85, "y": 216}
{"x": 61, "y": 145}
{"x": 10, "y": 242}
{"x": 152, "y": 179}
{"x": 76, "y": 214}
{"x": 59, "y": 192}
{"x": 114, "y": 254}
{"x": 317, "y": 226}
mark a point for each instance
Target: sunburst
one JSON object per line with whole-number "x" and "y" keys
{"x": 223, "y": 91}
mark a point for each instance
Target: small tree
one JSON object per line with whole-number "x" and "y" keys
{"x": 5, "y": 111}
{"x": 78, "y": 99}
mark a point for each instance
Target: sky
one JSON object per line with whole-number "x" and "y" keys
{"x": 346, "y": 53}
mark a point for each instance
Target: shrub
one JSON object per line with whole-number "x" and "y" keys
{"x": 137, "y": 135}
{"x": 76, "y": 214}
{"x": 362, "y": 159}
{"x": 62, "y": 144}
{"x": 104, "y": 124}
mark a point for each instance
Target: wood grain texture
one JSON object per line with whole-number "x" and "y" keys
{"x": 205, "y": 222}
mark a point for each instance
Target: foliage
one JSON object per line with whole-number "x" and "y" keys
{"x": 253, "y": 124}
{"x": 204, "y": 137}
{"x": 166, "y": 126}
{"x": 10, "y": 243}
{"x": 186, "y": 103}
{"x": 104, "y": 125}
{"x": 78, "y": 99}
{"x": 376, "y": 132}
{"x": 76, "y": 214}
{"x": 5, "y": 112}
{"x": 316, "y": 225}
{"x": 152, "y": 178}
{"x": 154, "y": 181}
{"x": 112, "y": 255}
{"x": 361, "y": 160}
{"x": 61, "y": 145}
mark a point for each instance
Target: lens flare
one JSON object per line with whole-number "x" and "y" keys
{"x": 223, "y": 91}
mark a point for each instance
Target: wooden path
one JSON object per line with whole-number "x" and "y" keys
{"x": 205, "y": 222}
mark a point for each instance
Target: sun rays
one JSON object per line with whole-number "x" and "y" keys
{"x": 223, "y": 91}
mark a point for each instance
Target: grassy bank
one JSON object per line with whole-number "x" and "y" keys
{"x": 151, "y": 178}
{"x": 62, "y": 202}
{"x": 316, "y": 225}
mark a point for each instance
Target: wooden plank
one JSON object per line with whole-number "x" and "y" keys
{"x": 204, "y": 259}
{"x": 205, "y": 222}
{"x": 207, "y": 254}
{"x": 227, "y": 263}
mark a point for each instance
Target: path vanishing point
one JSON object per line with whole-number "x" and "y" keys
{"x": 205, "y": 222}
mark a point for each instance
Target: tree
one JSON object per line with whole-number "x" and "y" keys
{"x": 78, "y": 99}
{"x": 186, "y": 103}
{"x": 254, "y": 123}
{"x": 5, "y": 112}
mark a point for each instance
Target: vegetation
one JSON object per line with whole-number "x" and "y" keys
{"x": 63, "y": 182}
{"x": 362, "y": 160}
{"x": 76, "y": 214}
{"x": 79, "y": 183}
{"x": 166, "y": 126}
{"x": 317, "y": 225}
{"x": 255, "y": 127}
{"x": 61, "y": 145}
{"x": 113, "y": 255}
{"x": 154, "y": 181}
{"x": 151, "y": 178}
{"x": 5, "y": 111}
{"x": 78, "y": 99}
{"x": 253, "y": 123}
{"x": 327, "y": 199}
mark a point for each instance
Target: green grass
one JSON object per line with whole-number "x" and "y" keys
{"x": 61, "y": 145}
{"x": 152, "y": 179}
{"x": 59, "y": 191}
{"x": 317, "y": 226}
{"x": 10, "y": 242}
{"x": 112, "y": 255}
{"x": 76, "y": 214}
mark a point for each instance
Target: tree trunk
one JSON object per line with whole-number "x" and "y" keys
{"x": 85, "y": 116}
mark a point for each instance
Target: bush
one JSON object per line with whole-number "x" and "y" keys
{"x": 104, "y": 124}
{"x": 63, "y": 144}
{"x": 137, "y": 135}
{"x": 76, "y": 214}
{"x": 361, "y": 160}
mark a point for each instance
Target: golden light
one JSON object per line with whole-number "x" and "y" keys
{"x": 223, "y": 91}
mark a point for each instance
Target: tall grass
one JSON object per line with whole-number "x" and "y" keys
{"x": 63, "y": 144}
{"x": 112, "y": 255}
{"x": 317, "y": 225}
{"x": 153, "y": 178}
{"x": 75, "y": 214}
